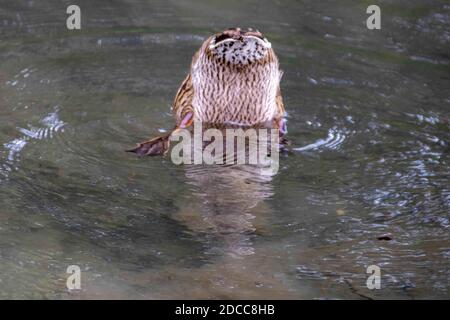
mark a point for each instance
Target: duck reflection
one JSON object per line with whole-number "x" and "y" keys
{"x": 228, "y": 204}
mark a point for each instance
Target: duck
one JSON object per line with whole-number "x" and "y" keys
{"x": 234, "y": 79}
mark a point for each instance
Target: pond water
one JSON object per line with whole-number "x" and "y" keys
{"x": 365, "y": 182}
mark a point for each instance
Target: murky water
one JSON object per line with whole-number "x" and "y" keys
{"x": 368, "y": 122}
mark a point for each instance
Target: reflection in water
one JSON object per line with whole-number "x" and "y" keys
{"x": 224, "y": 199}
{"x": 228, "y": 210}
{"x": 227, "y": 199}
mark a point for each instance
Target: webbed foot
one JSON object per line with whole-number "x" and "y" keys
{"x": 153, "y": 147}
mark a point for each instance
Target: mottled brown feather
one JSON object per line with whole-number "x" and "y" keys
{"x": 234, "y": 79}
{"x": 183, "y": 100}
{"x": 216, "y": 70}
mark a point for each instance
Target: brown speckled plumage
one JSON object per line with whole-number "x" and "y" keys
{"x": 234, "y": 80}
{"x": 219, "y": 91}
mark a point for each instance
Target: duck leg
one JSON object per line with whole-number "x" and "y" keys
{"x": 153, "y": 147}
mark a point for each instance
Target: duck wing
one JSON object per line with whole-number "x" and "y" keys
{"x": 182, "y": 104}
{"x": 184, "y": 115}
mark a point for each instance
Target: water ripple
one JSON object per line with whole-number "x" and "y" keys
{"x": 334, "y": 140}
{"x": 51, "y": 124}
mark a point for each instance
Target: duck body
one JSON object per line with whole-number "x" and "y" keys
{"x": 234, "y": 80}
